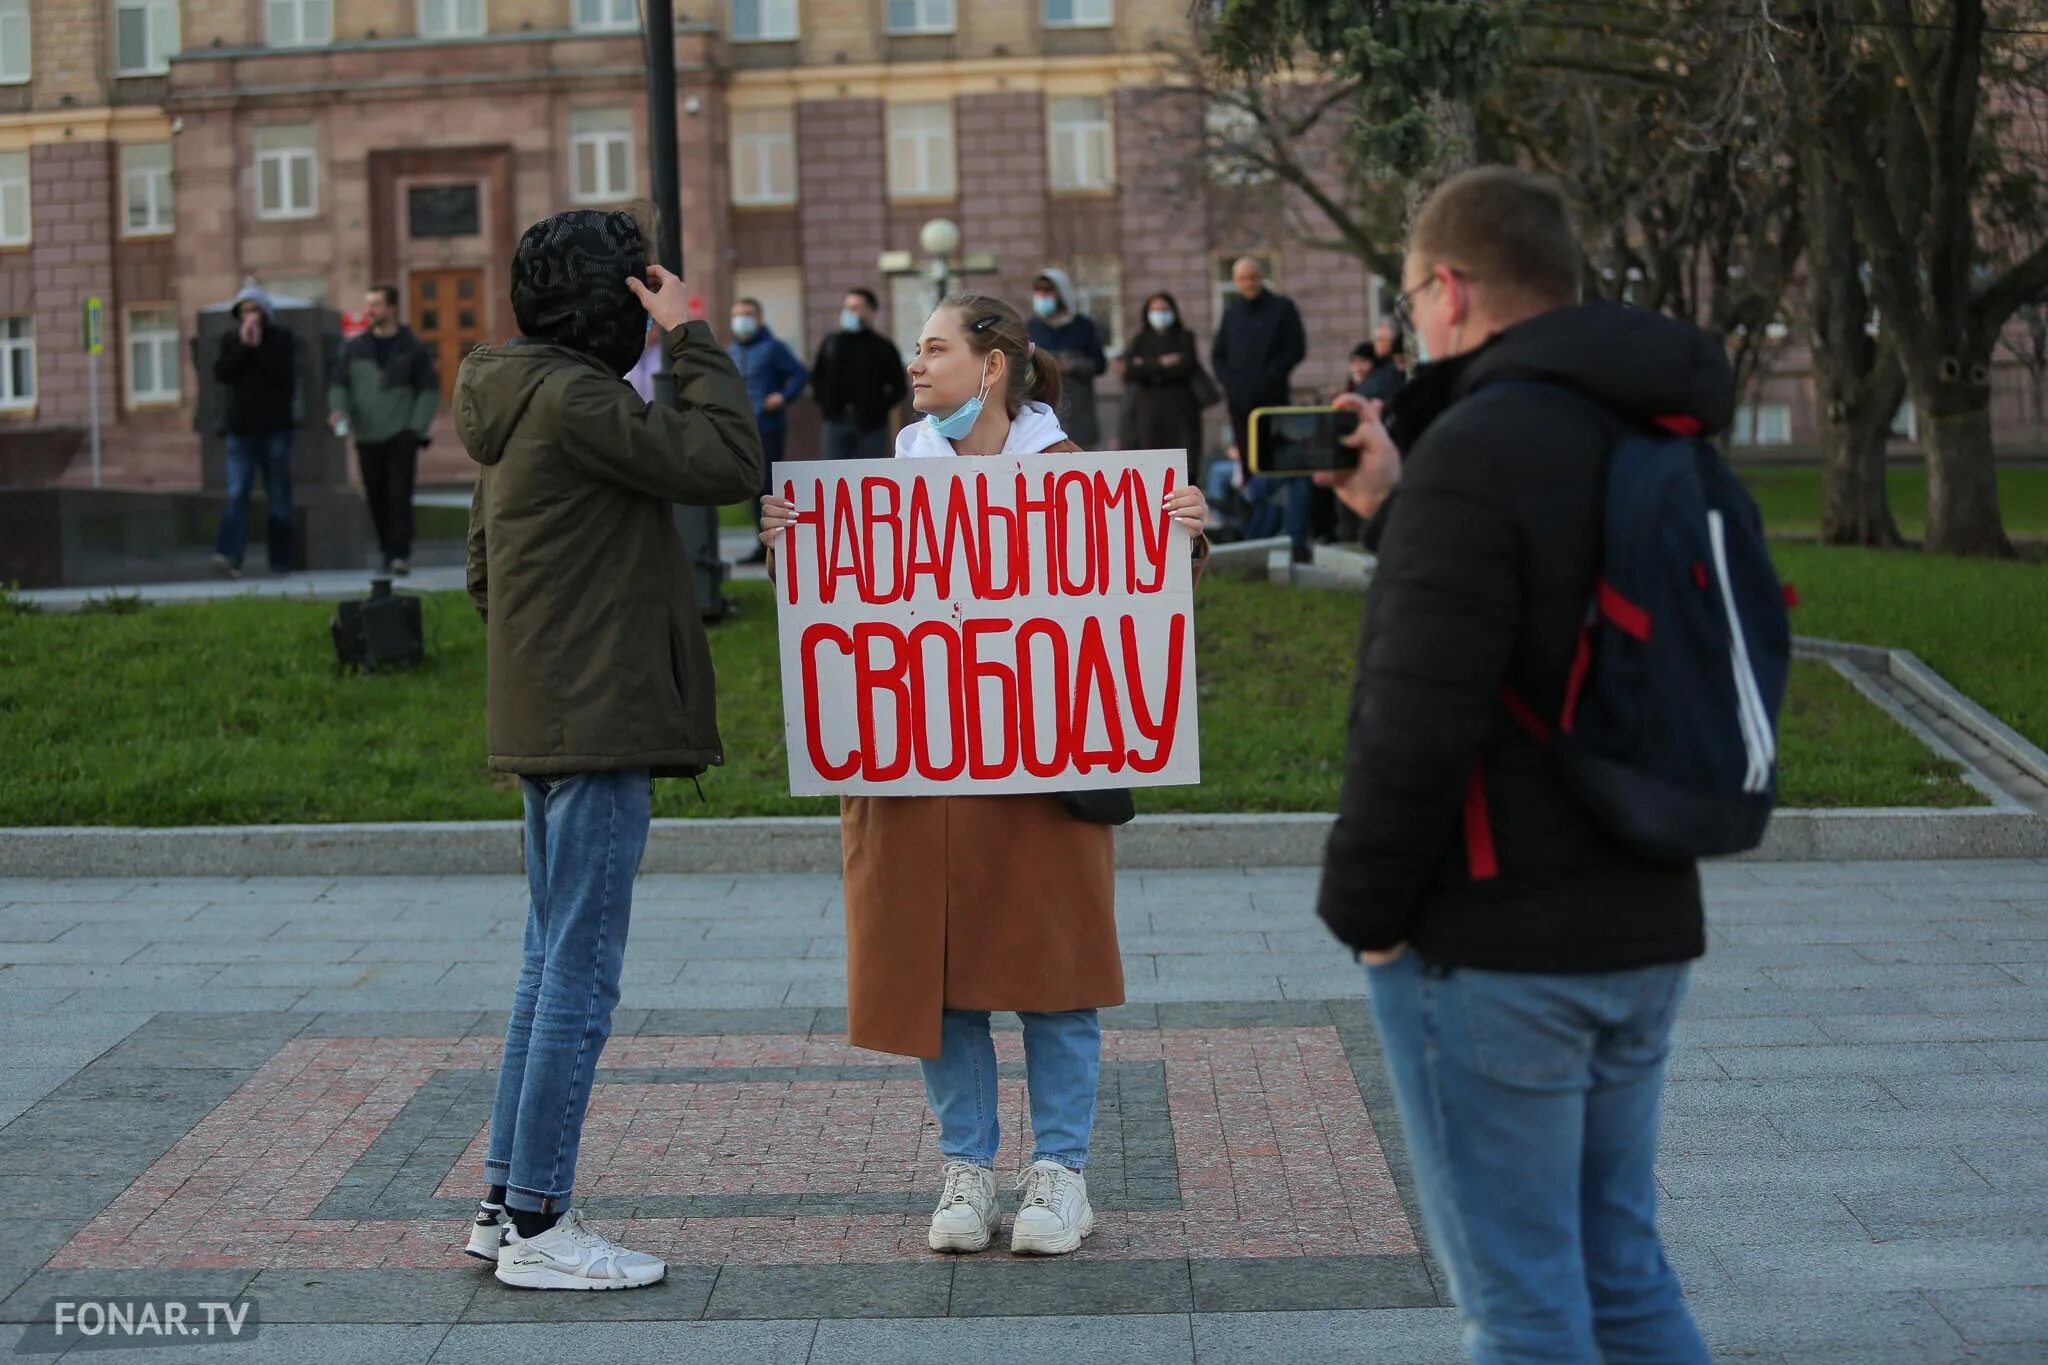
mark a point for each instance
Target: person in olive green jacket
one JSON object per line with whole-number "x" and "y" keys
{"x": 599, "y": 674}
{"x": 383, "y": 392}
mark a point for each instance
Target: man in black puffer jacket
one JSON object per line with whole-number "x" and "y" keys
{"x": 1526, "y": 969}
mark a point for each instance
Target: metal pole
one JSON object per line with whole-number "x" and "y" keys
{"x": 661, "y": 129}
{"x": 697, "y": 525}
{"x": 93, "y": 392}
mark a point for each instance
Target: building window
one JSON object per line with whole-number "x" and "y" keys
{"x": 1077, "y": 13}
{"x": 298, "y": 23}
{"x": 146, "y": 188}
{"x": 1764, "y": 424}
{"x": 919, "y": 16}
{"x": 763, "y": 156}
{"x": 14, "y": 42}
{"x": 451, "y": 18}
{"x": 1079, "y": 143}
{"x": 145, "y": 36}
{"x": 921, "y": 151}
{"x": 607, "y": 16}
{"x": 600, "y": 155}
{"x": 17, "y": 363}
{"x": 285, "y": 172}
{"x": 780, "y": 292}
{"x": 14, "y": 220}
{"x": 1099, "y": 292}
{"x": 763, "y": 21}
{"x": 1236, "y": 145}
{"x": 153, "y": 356}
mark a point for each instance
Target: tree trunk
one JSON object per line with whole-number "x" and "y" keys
{"x": 1855, "y": 506}
{"x": 1962, "y": 483}
{"x": 1858, "y": 383}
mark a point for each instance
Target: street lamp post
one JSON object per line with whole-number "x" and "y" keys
{"x": 698, "y": 525}
{"x": 939, "y": 241}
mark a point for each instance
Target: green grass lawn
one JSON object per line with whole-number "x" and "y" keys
{"x": 1981, "y": 625}
{"x": 233, "y": 713}
{"x": 1790, "y": 499}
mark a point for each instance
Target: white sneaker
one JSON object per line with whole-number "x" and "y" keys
{"x": 967, "y": 1217}
{"x": 1053, "y": 1215}
{"x": 487, "y": 1233}
{"x": 572, "y": 1256}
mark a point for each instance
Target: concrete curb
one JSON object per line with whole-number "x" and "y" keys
{"x": 811, "y": 845}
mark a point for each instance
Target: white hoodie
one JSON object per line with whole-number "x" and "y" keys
{"x": 1035, "y": 428}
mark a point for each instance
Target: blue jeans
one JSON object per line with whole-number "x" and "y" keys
{"x": 585, "y": 833}
{"x": 246, "y": 454}
{"x": 848, "y": 441}
{"x": 1530, "y": 1106}
{"x": 1062, "y": 1062}
{"x": 1279, "y": 504}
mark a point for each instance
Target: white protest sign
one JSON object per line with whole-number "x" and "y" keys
{"x": 986, "y": 625}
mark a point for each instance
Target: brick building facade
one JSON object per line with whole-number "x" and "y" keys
{"x": 165, "y": 149}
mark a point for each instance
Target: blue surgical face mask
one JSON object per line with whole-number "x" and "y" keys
{"x": 1160, "y": 318}
{"x": 849, "y": 321}
{"x": 957, "y": 423}
{"x": 745, "y": 325}
{"x": 1045, "y": 305}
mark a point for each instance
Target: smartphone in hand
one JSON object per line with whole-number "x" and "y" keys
{"x": 1289, "y": 442}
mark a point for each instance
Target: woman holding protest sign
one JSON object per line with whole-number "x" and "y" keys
{"x": 960, "y": 905}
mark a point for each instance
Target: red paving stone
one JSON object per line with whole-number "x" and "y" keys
{"x": 1277, "y": 1156}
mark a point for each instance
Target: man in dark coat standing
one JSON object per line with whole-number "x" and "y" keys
{"x": 1258, "y": 344}
{"x": 859, "y": 382}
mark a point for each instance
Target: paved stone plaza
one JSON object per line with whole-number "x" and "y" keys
{"x": 274, "y": 1091}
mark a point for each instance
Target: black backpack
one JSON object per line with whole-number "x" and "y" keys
{"x": 1668, "y": 733}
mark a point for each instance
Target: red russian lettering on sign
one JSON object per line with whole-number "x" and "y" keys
{"x": 1003, "y": 624}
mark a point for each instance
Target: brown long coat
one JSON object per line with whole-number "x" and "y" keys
{"x": 974, "y": 903}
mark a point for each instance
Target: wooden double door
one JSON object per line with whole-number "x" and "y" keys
{"x": 447, "y": 313}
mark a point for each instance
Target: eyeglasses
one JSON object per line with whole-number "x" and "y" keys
{"x": 1403, "y": 311}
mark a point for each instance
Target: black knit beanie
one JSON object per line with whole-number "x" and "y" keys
{"x": 569, "y": 285}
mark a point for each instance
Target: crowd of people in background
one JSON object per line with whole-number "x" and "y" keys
{"x": 384, "y": 390}
{"x": 857, "y": 381}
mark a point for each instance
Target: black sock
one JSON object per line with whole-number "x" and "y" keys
{"x": 531, "y": 1224}
{"x": 495, "y": 1196}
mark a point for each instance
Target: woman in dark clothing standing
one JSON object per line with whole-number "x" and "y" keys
{"x": 1162, "y": 362}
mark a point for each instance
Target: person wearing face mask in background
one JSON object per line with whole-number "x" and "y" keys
{"x": 959, "y": 905}
{"x": 858, "y": 382}
{"x": 1163, "y": 368}
{"x": 1059, "y": 328}
{"x": 775, "y": 377}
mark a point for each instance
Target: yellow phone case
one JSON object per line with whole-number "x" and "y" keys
{"x": 1251, "y": 428}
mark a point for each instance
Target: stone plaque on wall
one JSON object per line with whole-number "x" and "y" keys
{"x": 443, "y": 211}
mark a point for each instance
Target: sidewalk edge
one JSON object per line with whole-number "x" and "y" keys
{"x": 811, "y": 845}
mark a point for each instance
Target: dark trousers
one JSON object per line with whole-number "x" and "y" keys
{"x": 848, "y": 440}
{"x": 390, "y": 469}
{"x": 773, "y": 440}
{"x": 248, "y": 456}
